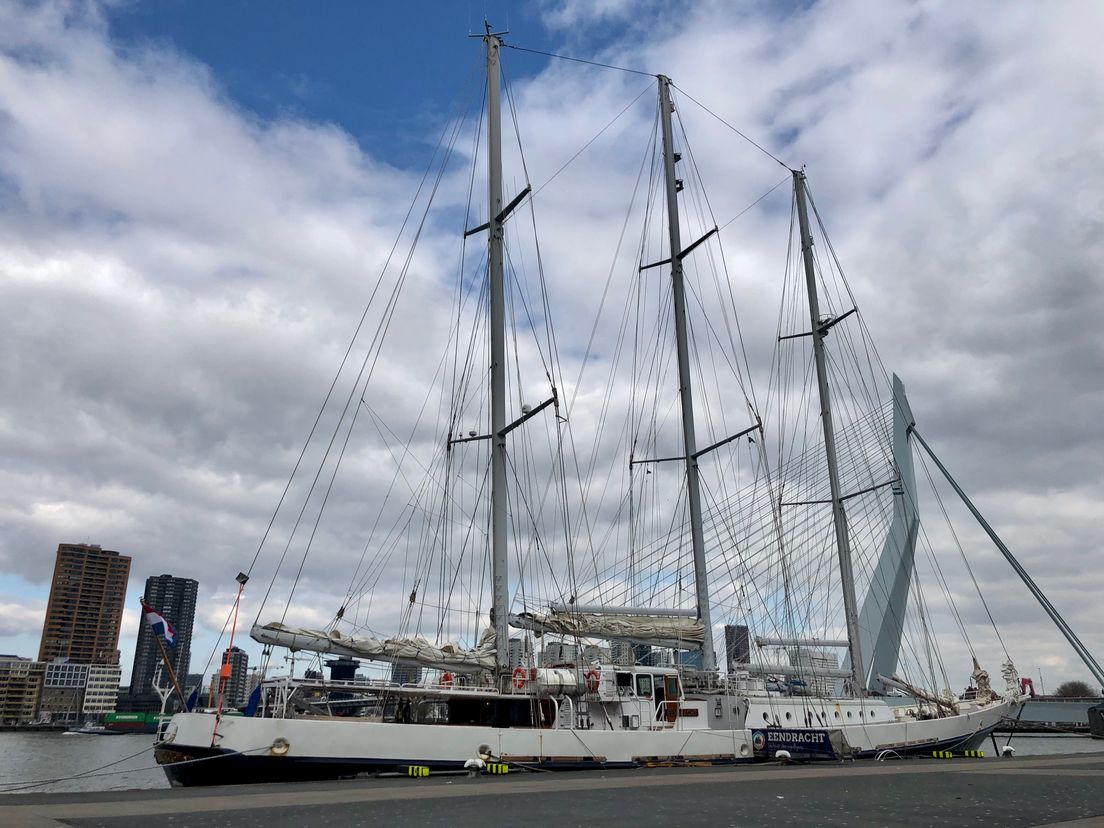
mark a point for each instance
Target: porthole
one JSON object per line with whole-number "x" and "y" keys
{"x": 837, "y": 714}
{"x": 766, "y": 718}
{"x": 788, "y": 717}
{"x": 849, "y": 714}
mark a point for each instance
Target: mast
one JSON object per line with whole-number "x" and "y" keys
{"x": 839, "y": 517}
{"x": 693, "y": 494}
{"x": 499, "y": 559}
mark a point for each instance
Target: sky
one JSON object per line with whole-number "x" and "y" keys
{"x": 196, "y": 199}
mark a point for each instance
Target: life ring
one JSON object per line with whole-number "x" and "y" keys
{"x": 280, "y": 747}
{"x": 593, "y": 679}
{"x": 446, "y": 679}
{"x": 520, "y": 677}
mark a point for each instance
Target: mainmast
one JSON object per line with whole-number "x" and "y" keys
{"x": 499, "y": 558}
{"x": 839, "y": 517}
{"x": 693, "y": 494}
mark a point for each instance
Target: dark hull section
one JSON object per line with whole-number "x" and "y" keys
{"x": 956, "y": 745}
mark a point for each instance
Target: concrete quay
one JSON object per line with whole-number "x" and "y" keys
{"x": 1035, "y": 791}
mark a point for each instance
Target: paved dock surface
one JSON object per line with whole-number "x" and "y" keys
{"x": 1065, "y": 790}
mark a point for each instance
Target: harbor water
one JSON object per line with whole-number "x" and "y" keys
{"x": 106, "y": 763}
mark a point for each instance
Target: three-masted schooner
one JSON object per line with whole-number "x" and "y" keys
{"x": 492, "y": 703}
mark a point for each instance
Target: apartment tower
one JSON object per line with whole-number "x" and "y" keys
{"x": 86, "y": 605}
{"x": 175, "y": 599}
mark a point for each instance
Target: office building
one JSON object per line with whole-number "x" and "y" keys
{"x": 557, "y": 653}
{"x": 62, "y": 698}
{"x": 85, "y": 609}
{"x": 175, "y": 599}
{"x": 807, "y": 661}
{"x": 404, "y": 674}
{"x": 101, "y": 691}
{"x": 521, "y": 652}
{"x": 737, "y": 646}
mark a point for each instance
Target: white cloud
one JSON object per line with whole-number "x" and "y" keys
{"x": 19, "y": 615}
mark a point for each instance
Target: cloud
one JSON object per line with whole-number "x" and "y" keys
{"x": 17, "y": 615}
{"x": 179, "y": 279}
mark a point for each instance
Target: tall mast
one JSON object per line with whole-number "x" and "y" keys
{"x": 689, "y": 442}
{"x": 839, "y": 517}
{"x": 499, "y": 559}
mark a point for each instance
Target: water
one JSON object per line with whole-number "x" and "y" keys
{"x": 34, "y": 757}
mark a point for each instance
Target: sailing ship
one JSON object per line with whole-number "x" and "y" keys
{"x": 605, "y": 691}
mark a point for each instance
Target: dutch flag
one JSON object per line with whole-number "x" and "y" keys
{"x": 160, "y": 626}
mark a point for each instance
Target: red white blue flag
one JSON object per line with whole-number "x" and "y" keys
{"x": 160, "y": 626}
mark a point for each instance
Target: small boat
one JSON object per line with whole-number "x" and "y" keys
{"x": 89, "y": 729}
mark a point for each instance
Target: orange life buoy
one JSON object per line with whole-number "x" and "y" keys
{"x": 446, "y": 679}
{"x": 520, "y": 677}
{"x": 593, "y": 679}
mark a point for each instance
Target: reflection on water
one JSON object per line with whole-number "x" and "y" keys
{"x": 35, "y": 757}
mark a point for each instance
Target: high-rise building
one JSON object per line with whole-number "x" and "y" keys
{"x": 86, "y": 605}
{"x": 175, "y": 599}
{"x": 234, "y": 682}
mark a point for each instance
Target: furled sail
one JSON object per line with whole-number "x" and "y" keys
{"x": 394, "y": 650}
{"x": 663, "y": 631}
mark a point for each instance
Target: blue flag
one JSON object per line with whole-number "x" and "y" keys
{"x": 254, "y": 702}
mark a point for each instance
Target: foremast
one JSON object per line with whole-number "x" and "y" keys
{"x": 839, "y": 516}
{"x": 693, "y": 492}
{"x": 500, "y": 599}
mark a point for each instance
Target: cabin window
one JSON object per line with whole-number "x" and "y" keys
{"x": 644, "y": 686}
{"x": 624, "y": 684}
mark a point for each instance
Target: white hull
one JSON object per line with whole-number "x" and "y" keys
{"x": 274, "y": 749}
{"x": 362, "y": 745}
{"x": 871, "y": 725}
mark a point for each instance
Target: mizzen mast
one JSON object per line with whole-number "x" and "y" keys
{"x": 839, "y": 516}
{"x": 693, "y": 492}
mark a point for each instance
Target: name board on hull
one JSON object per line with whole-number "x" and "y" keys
{"x": 767, "y": 740}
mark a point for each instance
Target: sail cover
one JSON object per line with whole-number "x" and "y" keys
{"x": 663, "y": 631}
{"x": 394, "y": 650}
